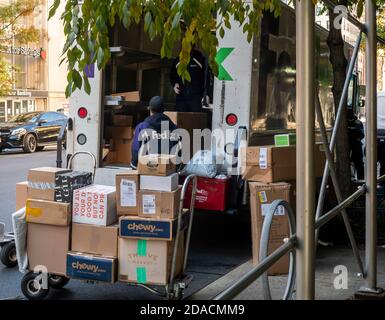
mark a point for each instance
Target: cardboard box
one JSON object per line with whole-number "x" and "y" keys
{"x": 127, "y": 188}
{"x": 157, "y": 165}
{"x": 41, "y": 182}
{"x": 158, "y": 183}
{"x": 133, "y": 96}
{"x": 285, "y": 140}
{"x": 111, "y": 157}
{"x": 48, "y": 212}
{"x": 123, "y": 150}
{"x": 21, "y": 194}
{"x": 159, "y": 204}
{"x": 121, "y": 120}
{"x": 189, "y": 121}
{"x": 66, "y": 183}
{"x": 91, "y": 267}
{"x": 87, "y": 238}
{"x": 261, "y": 197}
{"x": 274, "y": 164}
{"x": 153, "y": 229}
{"x": 94, "y": 204}
{"x": 148, "y": 261}
{"x": 119, "y": 132}
{"x": 48, "y": 246}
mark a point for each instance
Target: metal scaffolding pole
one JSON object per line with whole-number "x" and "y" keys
{"x": 371, "y": 150}
{"x": 305, "y": 82}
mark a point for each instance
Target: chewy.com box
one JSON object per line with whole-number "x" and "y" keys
{"x": 94, "y": 204}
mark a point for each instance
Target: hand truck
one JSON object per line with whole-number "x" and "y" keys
{"x": 7, "y": 247}
{"x": 34, "y": 288}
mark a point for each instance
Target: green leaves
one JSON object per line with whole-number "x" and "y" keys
{"x": 179, "y": 24}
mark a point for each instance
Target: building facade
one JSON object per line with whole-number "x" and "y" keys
{"x": 38, "y": 82}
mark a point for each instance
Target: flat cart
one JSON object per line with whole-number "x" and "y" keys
{"x": 7, "y": 247}
{"x": 36, "y": 286}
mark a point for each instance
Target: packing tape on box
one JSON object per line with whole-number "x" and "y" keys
{"x": 33, "y": 212}
{"x": 142, "y": 248}
{"x": 141, "y": 275}
{"x": 41, "y": 185}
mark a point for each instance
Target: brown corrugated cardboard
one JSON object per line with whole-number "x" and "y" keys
{"x": 127, "y": 188}
{"x": 148, "y": 261}
{"x": 274, "y": 164}
{"x": 157, "y": 165}
{"x": 94, "y": 204}
{"x": 121, "y": 120}
{"x": 123, "y": 150}
{"x": 133, "y": 96}
{"x": 119, "y": 132}
{"x": 41, "y": 182}
{"x": 261, "y": 197}
{"x": 48, "y": 212}
{"x": 21, "y": 194}
{"x": 48, "y": 246}
{"x": 189, "y": 121}
{"x": 159, "y": 204}
{"x": 111, "y": 157}
{"x": 92, "y": 239}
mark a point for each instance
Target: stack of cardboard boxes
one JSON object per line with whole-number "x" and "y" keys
{"x": 148, "y": 202}
{"x": 48, "y": 214}
{"x": 73, "y": 229}
{"x": 94, "y": 245}
{"x": 120, "y": 136}
{"x": 271, "y": 172}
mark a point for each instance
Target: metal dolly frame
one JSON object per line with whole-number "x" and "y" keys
{"x": 34, "y": 289}
{"x": 7, "y": 247}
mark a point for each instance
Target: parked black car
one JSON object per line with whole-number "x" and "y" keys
{"x": 31, "y": 131}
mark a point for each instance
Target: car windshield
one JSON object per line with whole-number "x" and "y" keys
{"x": 26, "y": 117}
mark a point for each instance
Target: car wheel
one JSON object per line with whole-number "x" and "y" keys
{"x": 41, "y": 148}
{"x": 30, "y": 143}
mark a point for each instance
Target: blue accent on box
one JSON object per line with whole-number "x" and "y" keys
{"x": 131, "y": 227}
{"x": 90, "y": 268}
{"x": 152, "y": 229}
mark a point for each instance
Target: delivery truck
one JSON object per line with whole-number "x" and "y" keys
{"x": 252, "y": 99}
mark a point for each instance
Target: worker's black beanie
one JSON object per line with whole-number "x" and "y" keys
{"x": 156, "y": 104}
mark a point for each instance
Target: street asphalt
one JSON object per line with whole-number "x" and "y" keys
{"x": 218, "y": 244}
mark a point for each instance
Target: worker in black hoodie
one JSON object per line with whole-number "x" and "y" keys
{"x": 189, "y": 94}
{"x": 156, "y": 131}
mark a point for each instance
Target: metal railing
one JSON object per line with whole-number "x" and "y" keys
{"x": 321, "y": 220}
{"x": 287, "y": 247}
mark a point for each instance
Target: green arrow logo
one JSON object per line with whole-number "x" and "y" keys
{"x": 222, "y": 55}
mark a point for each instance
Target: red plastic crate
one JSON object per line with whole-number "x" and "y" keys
{"x": 212, "y": 194}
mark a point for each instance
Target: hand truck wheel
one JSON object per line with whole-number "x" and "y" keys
{"x": 8, "y": 254}
{"x": 57, "y": 282}
{"x": 33, "y": 287}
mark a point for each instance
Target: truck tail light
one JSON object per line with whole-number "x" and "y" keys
{"x": 231, "y": 119}
{"x": 82, "y": 112}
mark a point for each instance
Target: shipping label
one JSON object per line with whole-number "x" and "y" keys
{"x": 148, "y": 202}
{"x": 263, "y": 158}
{"x": 262, "y": 196}
{"x": 127, "y": 193}
{"x": 266, "y": 208}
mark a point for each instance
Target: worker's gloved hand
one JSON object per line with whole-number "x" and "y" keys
{"x": 176, "y": 88}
